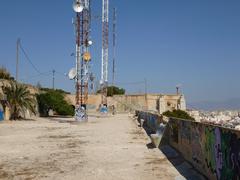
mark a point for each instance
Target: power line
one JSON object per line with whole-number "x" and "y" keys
{"x": 17, "y": 58}
{"x": 60, "y": 73}
{"x": 28, "y": 59}
{"x": 48, "y": 73}
{"x": 36, "y": 76}
{"x": 131, "y": 83}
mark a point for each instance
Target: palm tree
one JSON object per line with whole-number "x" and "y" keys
{"x": 1, "y": 94}
{"x": 20, "y": 99}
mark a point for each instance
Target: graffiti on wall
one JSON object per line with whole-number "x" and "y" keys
{"x": 197, "y": 154}
{"x": 215, "y": 151}
{"x": 222, "y": 149}
{"x": 174, "y": 132}
{"x": 185, "y": 131}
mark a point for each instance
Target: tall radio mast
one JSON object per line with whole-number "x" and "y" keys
{"x": 114, "y": 44}
{"x": 82, "y": 26}
{"x": 104, "y": 72}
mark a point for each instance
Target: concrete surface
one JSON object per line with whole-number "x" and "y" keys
{"x": 104, "y": 148}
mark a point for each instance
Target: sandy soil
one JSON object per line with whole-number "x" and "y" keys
{"x": 104, "y": 148}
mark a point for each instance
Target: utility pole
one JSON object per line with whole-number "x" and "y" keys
{"x": 17, "y": 59}
{"x": 53, "y": 83}
{"x": 145, "y": 84}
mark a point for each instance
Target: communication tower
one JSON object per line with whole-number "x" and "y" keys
{"x": 104, "y": 69}
{"x": 83, "y": 57}
{"x": 114, "y": 44}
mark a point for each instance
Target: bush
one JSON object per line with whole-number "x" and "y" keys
{"x": 57, "y": 90}
{"x": 178, "y": 114}
{"x": 113, "y": 90}
{"x": 54, "y": 100}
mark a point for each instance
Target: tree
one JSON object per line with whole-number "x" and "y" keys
{"x": 54, "y": 99}
{"x": 1, "y": 94}
{"x": 4, "y": 74}
{"x": 178, "y": 114}
{"x": 113, "y": 90}
{"x": 20, "y": 99}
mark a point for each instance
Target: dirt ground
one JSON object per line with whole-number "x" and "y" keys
{"x": 104, "y": 148}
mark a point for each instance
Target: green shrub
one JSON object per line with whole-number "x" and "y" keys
{"x": 178, "y": 114}
{"x": 113, "y": 90}
{"x": 57, "y": 90}
{"x": 54, "y": 100}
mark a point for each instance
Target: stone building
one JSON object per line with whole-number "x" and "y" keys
{"x": 171, "y": 102}
{"x": 158, "y": 103}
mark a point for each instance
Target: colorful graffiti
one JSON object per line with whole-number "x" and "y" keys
{"x": 222, "y": 148}
{"x": 212, "y": 150}
{"x": 197, "y": 154}
{"x": 215, "y": 151}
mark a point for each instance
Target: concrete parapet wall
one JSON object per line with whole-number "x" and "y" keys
{"x": 214, "y": 151}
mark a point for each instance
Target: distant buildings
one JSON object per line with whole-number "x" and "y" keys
{"x": 225, "y": 118}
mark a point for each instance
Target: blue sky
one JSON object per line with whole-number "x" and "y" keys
{"x": 195, "y": 43}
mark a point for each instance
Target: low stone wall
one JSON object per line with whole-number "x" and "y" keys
{"x": 214, "y": 151}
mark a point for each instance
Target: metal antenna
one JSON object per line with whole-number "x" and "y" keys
{"x": 178, "y": 88}
{"x": 53, "y": 83}
{"x": 114, "y": 45}
{"x": 146, "y": 100}
{"x": 17, "y": 59}
{"x": 104, "y": 70}
{"x": 82, "y": 24}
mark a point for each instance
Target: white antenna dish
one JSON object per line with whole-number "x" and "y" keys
{"x": 72, "y": 74}
{"x": 90, "y": 42}
{"x": 78, "y": 6}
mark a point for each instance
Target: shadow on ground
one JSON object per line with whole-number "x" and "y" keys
{"x": 187, "y": 171}
{"x": 182, "y": 166}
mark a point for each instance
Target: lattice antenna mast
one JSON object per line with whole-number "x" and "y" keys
{"x": 86, "y": 44}
{"x": 114, "y": 44}
{"x": 81, "y": 7}
{"x": 104, "y": 73}
{"x": 78, "y": 58}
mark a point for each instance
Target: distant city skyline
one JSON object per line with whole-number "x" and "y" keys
{"x": 193, "y": 43}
